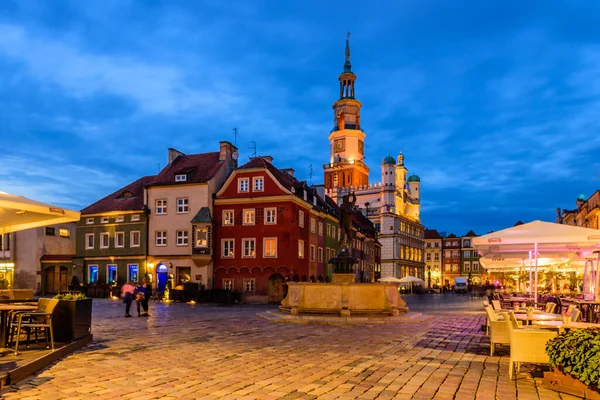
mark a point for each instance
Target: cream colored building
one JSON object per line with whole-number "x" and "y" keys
{"x": 180, "y": 201}
{"x": 433, "y": 258}
{"x": 393, "y": 204}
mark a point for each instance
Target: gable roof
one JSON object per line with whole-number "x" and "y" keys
{"x": 128, "y": 198}
{"x": 470, "y": 233}
{"x": 285, "y": 179}
{"x": 199, "y": 168}
{"x": 432, "y": 234}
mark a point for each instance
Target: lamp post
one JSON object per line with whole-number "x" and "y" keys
{"x": 429, "y": 276}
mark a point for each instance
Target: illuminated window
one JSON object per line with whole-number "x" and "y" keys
{"x": 89, "y": 240}
{"x": 111, "y": 273}
{"x": 227, "y": 248}
{"x": 120, "y": 239}
{"x": 183, "y": 205}
{"x": 249, "y": 247}
{"x": 270, "y": 247}
{"x": 104, "y": 220}
{"x": 270, "y": 216}
{"x": 228, "y": 217}
{"x": 249, "y": 217}
{"x": 202, "y": 237}
{"x": 161, "y": 206}
{"x": 243, "y": 184}
{"x": 300, "y": 248}
{"x": 133, "y": 272}
{"x": 104, "y": 240}
{"x": 135, "y": 217}
{"x": 93, "y": 277}
{"x": 249, "y": 284}
{"x": 64, "y": 233}
{"x": 89, "y": 221}
{"x": 258, "y": 184}
{"x": 120, "y": 218}
{"x": 228, "y": 284}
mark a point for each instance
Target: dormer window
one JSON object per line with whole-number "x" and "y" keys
{"x": 180, "y": 178}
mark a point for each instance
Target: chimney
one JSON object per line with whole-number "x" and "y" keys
{"x": 226, "y": 150}
{"x": 173, "y": 154}
{"x": 267, "y": 158}
{"x": 289, "y": 171}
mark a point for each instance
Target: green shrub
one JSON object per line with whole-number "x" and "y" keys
{"x": 577, "y": 353}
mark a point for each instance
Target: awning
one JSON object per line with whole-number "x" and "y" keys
{"x": 18, "y": 213}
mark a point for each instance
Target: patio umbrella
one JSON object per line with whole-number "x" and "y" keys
{"x": 411, "y": 279}
{"x": 18, "y": 213}
{"x": 390, "y": 279}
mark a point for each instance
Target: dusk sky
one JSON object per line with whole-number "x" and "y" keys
{"x": 495, "y": 104}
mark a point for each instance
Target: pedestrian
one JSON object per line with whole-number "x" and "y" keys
{"x": 142, "y": 297}
{"x": 127, "y": 291}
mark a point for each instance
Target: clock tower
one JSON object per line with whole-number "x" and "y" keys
{"x": 346, "y": 167}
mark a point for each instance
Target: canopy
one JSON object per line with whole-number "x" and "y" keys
{"x": 390, "y": 279}
{"x": 18, "y": 213}
{"x": 411, "y": 279}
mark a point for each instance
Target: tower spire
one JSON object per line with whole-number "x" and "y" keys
{"x": 347, "y": 65}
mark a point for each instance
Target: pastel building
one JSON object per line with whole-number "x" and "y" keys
{"x": 393, "y": 204}
{"x": 433, "y": 257}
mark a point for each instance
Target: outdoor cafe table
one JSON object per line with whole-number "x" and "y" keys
{"x": 5, "y": 309}
{"x": 570, "y": 325}
{"x": 539, "y": 317}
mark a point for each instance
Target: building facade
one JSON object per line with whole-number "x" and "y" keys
{"x": 112, "y": 238}
{"x": 586, "y": 214}
{"x": 393, "y": 204}
{"x": 470, "y": 266}
{"x": 433, "y": 258}
{"x": 180, "y": 204}
{"x": 451, "y": 259}
{"x": 7, "y": 261}
{"x": 270, "y": 228}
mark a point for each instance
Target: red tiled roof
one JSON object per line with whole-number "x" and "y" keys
{"x": 129, "y": 198}
{"x": 470, "y": 233}
{"x": 432, "y": 234}
{"x": 286, "y": 180}
{"x": 198, "y": 168}
{"x": 56, "y": 257}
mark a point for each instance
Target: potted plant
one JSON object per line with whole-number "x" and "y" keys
{"x": 575, "y": 356}
{"x": 72, "y": 317}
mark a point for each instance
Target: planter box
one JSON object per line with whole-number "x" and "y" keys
{"x": 561, "y": 382}
{"x": 72, "y": 320}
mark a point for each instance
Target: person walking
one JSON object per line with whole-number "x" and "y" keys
{"x": 142, "y": 296}
{"x": 127, "y": 291}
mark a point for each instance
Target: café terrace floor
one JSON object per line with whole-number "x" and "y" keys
{"x": 226, "y": 352}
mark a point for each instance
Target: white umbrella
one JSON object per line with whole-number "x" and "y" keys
{"x": 18, "y": 213}
{"x": 411, "y": 279}
{"x": 390, "y": 279}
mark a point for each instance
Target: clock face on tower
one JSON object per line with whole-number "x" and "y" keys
{"x": 339, "y": 145}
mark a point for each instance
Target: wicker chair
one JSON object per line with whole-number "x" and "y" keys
{"x": 496, "y": 329}
{"x": 496, "y": 305}
{"x": 550, "y": 307}
{"x": 527, "y": 345}
{"x": 576, "y": 315}
{"x": 40, "y": 319}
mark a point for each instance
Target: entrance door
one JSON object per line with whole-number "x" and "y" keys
{"x": 49, "y": 275}
{"x": 275, "y": 288}
{"x": 63, "y": 279}
{"x": 161, "y": 278}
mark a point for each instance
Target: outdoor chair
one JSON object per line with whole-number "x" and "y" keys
{"x": 527, "y": 346}
{"x": 576, "y": 315}
{"x": 571, "y": 308}
{"x": 496, "y": 330}
{"x": 35, "y": 321}
{"x": 496, "y": 305}
{"x": 12, "y": 318}
{"x": 550, "y": 307}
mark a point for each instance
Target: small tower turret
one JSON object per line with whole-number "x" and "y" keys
{"x": 401, "y": 172}
{"x": 414, "y": 186}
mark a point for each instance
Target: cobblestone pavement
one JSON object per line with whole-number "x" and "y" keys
{"x": 210, "y": 352}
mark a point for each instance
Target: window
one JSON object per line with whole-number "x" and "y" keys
{"x": 228, "y": 217}
{"x": 313, "y": 225}
{"x": 270, "y": 216}
{"x": 227, "y": 248}
{"x": 436, "y": 245}
{"x": 258, "y": 184}
{"x": 447, "y": 253}
{"x": 448, "y": 268}
{"x": 428, "y": 256}
{"x": 455, "y": 254}
{"x": 249, "y": 217}
{"x": 328, "y": 229}
{"x": 466, "y": 243}
{"x": 135, "y": 217}
{"x": 270, "y": 247}
{"x": 89, "y": 240}
{"x": 134, "y": 240}
{"x": 475, "y": 266}
{"x": 64, "y": 232}
{"x": 180, "y": 178}
{"x": 133, "y": 272}
{"x": 475, "y": 254}
{"x": 378, "y": 227}
{"x": 428, "y": 245}
{"x": 182, "y": 205}
{"x": 161, "y": 206}
{"x": 249, "y": 285}
{"x": 312, "y": 252}
{"x": 104, "y": 240}
{"x": 93, "y": 277}
{"x": 320, "y": 254}
{"x": 89, "y": 221}
{"x": 242, "y": 185}
{"x": 436, "y": 256}
{"x": 320, "y": 229}
{"x": 467, "y": 267}
{"x": 455, "y": 268}
{"x": 50, "y": 231}
{"x": 104, "y": 220}
{"x": 161, "y": 238}
{"x": 202, "y": 237}
{"x": 120, "y": 218}
{"x": 248, "y": 246}
{"x": 228, "y": 284}
{"x": 467, "y": 254}
{"x": 119, "y": 239}
{"x": 182, "y": 238}
{"x": 300, "y": 248}
{"x": 301, "y": 218}
{"x": 111, "y": 274}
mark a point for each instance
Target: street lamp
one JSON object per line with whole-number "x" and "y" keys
{"x": 429, "y": 276}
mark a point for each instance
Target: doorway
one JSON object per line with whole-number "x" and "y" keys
{"x": 56, "y": 279}
{"x": 275, "y": 288}
{"x": 161, "y": 278}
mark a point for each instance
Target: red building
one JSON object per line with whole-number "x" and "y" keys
{"x": 269, "y": 227}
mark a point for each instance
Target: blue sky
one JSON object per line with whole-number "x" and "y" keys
{"x": 495, "y": 105}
